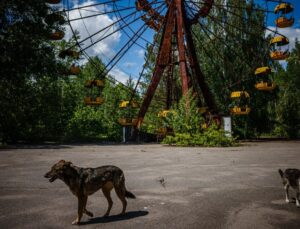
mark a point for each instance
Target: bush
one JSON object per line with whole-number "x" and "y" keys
{"x": 186, "y": 124}
{"x": 211, "y": 137}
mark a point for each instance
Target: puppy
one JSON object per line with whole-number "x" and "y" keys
{"x": 85, "y": 181}
{"x": 291, "y": 177}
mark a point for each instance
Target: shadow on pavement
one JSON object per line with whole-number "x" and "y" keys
{"x": 114, "y": 218}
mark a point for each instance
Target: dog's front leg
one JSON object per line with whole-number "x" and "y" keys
{"x": 90, "y": 214}
{"x": 80, "y": 210}
{"x": 286, "y": 188}
{"x": 297, "y": 199}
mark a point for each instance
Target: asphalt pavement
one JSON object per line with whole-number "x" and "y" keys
{"x": 176, "y": 187}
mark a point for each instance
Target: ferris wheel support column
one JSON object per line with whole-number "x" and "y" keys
{"x": 161, "y": 63}
{"x": 195, "y": 67}
{"x": 181, "y": 48}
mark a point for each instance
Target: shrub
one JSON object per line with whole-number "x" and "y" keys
{"x": 186, "y": 122}
{"x": 210, "y": 137}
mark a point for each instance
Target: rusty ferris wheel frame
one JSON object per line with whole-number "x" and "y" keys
{"x": 178, "y": 26}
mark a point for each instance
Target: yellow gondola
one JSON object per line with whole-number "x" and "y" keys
{"x": 238, "y": 94}
{"x": 240, "y": 110}
{"x": 127, "y": 121}
{"x": 164, "y": 113}
{"x": 74, "y": 70}
{"x": 128, "y": 108}
{"x": 264, "y": 85}
{"x": 283, "y": 22}
{"x": 126, "y": 103}
{"x": 202, "y": 110}
{"x": 280, "y": 41}
{"x": 242, "y": 107}
{"x": 279, "y": 54}
{"x": 96, "y": 83}
{"x": 284, "y": 8}
{"x": 57, "y": 35}
{"x": 90, "y": 101}
{"x": 161, "y": 132}
{"x": 50, "y": 19}
{"x": 68, "y": 52}
{"x": 93, "y": 99}
{"x": 53, "y": 1}
{"x": 262, "y": 71}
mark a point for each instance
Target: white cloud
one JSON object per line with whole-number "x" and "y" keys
{"x": 290, "y": 33}
{"x": 119, "y": 75}
{"x": 129, "y": 64}
{"x": 140, "y": 52}
{"x": 89, "y": 26}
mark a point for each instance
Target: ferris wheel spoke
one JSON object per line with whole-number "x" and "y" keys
{"x": 111, "y": 79}
{"x": 109, "y": 26}
{"x": 150, "y": 52}
{"x": 142, "y": 38}
{"x": 101, "y": 13}
{"x": 123, "y": 50}
{"x": 87, "y": 6}
{"x": 217, "y": 52}
{"x": 99, "y": 31}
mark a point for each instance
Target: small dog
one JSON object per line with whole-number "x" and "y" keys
{"x": 291, "y": 177}
{"x": 85, "y": 181}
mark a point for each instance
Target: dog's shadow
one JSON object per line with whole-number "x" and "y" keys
{"x": 114, "y": 218}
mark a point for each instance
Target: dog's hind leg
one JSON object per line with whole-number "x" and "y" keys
{"x": 81, "y": 200}
{"x": 119, "y": 184}
{"x": 121, "y": 194}
{"x": 106, "y": 189}
{"x": 90, "y": 214}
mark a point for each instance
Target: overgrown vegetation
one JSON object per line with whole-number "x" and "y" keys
{"x": 188, "y": 127}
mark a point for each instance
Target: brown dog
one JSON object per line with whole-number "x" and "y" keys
{"x": 85, "y": 181}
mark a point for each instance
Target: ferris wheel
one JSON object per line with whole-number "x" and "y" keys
{"x": 119, "y": 30}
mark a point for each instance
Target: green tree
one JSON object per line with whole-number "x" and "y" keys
{"x": 28, "y": 63}
{"x": 288, "y": 104}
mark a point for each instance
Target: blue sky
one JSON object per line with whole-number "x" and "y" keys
{"x": 132, "y": 62}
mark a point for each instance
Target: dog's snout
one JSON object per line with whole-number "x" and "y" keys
{"x": 47, "y": 175}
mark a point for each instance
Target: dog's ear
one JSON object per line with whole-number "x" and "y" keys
{"x": 62, "y": 161}
{"x": 280, "y": 173}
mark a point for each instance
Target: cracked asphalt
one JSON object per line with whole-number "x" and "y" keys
{"x": 197, "y": 187}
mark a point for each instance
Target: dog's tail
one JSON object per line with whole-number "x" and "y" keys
{"x": 280, "y": 173}
{"x": 129, "y": 195}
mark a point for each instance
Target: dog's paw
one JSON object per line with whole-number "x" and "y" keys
{"x": 121, "y": 214}
{"x": 75, "y": 222}
{"x": 288, "y": 201}
{"x": 90, "y": 214}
